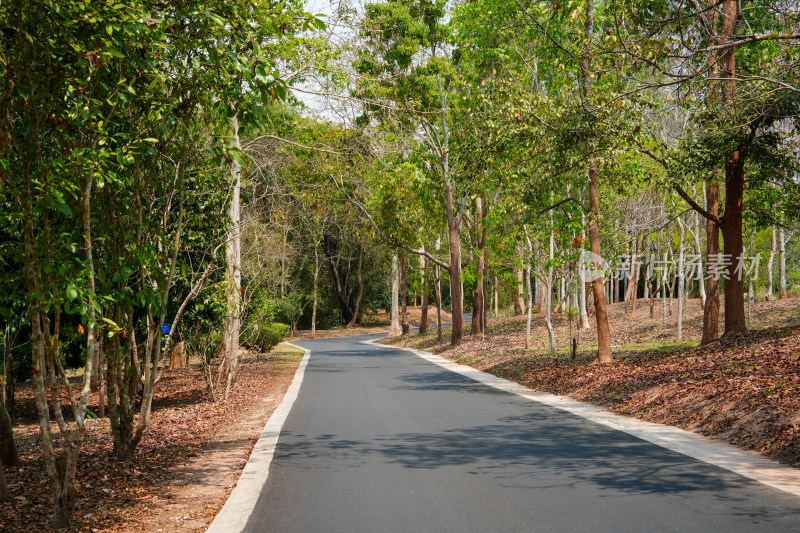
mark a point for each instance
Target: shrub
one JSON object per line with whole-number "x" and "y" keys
{"x": 263, "y": 336}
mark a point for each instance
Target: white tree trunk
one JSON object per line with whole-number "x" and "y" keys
{"x": 233, "y": 258}
{"x": 530, "y": 290}
{"x": 551, "y": 334}
{"x": 394, "y": 328}
{"x": 701, "y": 282}
{"x": 664, "y": 292}
{"x": 750, "y": 289}
{"x": 314, "y": 305}
{"x": 496, "y": 298}
{"x": 460, "y": 281}
{"x": 782, "y": 263}
{"x": 438, "y": 293}
{"x": 770, "y": 262}
{"x": 681, "y": 280}
{"x": 520, "y": 280}
{"x": 582, "y": 289}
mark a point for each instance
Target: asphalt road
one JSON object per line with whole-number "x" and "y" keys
{"x": 383, "y": 441}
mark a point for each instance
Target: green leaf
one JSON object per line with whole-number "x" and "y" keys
{"x": 113, "y": 52}
{"x": 72, "y": 291}
{"x": 62, "y": 206}
{"x": 110, "y": 322}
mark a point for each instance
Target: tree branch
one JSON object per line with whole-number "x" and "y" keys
{"x": 565, "y": 200}
{"x": 694, "y": 204}
{"x": 405, "y": 247}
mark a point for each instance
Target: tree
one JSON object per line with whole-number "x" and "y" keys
{"x": 84, "y": 90}
{"x": 408, "y": 80}
{"x": 695, "y": 47}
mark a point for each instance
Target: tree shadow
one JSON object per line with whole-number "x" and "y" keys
{"x": 543, "y": 449}
{"x": 444, "y": 380}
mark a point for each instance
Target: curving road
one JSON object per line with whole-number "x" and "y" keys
{"x": 383, "y": 441}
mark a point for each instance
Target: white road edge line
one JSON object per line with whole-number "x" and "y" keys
{"x": 721, "y": 454}
{"x": 234, "y": 514}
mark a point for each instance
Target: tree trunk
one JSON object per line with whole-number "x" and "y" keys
{"x": 477, "y": 304}
{"x": 438, "y": 288}
{"x": 484, "y": 279}
{"x": 423, "y": 319}
{"x": 681, "y": 281}
{"x": 601, "y": 314}
{"x": 701, "y": 282}
{"x": 8, "y": 447}
{"x": 360, "y": 281}
{"x": 635, "y": 294}
{"x": 46, "y": 359}
{"x": 123, "y": 384}
{"x": 177, "y": 357}
{"x": 750, "y": 292}
{"x": 496, "y": 298}
{"x": 394, "y": 328}
{"x": 584, "y": 315}
{"x": 94, "y": 382}
{"x": 770, "y": 262}
{"x": 233, "y": 258}
{"x": 731, "y": 220}
{"x": 405, "y": 327}
{"x": 340, "y": 272}
{"x": 529, "y": 291}
{"x": 480, "y": 250}
{"x": 629, "y": 274}
{"x": 548, "y": 302}
{"x": 518, "y": 292}
{"x": 542, "y": 291}
{"x": 731, "y": 226}
{"x": 457, "y": 311}
{"x": 711, "y": 309}
{"x": 3, "y": 486}
{"x": 664, "y": 293}
{"x": 782, "y": 264}
{"x": 314, "y": 303}
{"x": 101, "y": 407}
{"x": 10, "y": 379}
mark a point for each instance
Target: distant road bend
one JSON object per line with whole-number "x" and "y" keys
{"x": 380, "y": 440}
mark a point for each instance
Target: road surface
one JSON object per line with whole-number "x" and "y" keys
{"x": 380, "y": 440}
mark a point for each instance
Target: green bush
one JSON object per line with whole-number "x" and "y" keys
{"x": 263, "y": 336}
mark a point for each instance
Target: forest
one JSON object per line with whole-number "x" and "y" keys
{"x": 191, "y": 182}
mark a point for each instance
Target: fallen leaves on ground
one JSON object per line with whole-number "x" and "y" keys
{"x": 186, "y": 428}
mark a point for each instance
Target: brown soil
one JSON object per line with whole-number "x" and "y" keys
{"x": 743, "y": 389}
{"x": 186, "y": 465}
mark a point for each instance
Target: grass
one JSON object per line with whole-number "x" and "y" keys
{"x": 654, "y": 346}
{"x": 284, "y": 353}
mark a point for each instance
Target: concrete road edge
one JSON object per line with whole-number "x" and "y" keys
{"x": 717, "y": 453}
{"x": 240, "y": 504}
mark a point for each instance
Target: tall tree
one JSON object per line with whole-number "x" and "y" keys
{"x": 408, "y": 81}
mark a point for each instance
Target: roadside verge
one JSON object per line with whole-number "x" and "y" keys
{"x": 236, "y": 511}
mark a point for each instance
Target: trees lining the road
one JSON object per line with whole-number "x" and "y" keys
{"x": 160, "y": 181}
